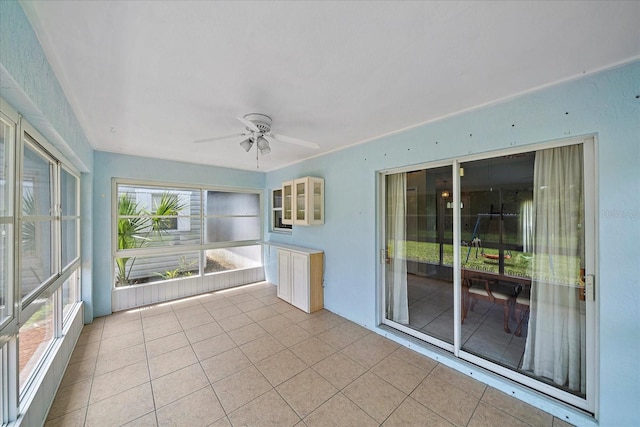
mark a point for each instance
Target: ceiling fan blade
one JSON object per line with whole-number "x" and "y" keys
{"x": 216, "y": 138}
{"x": 248, "y": 124}
{"x": 295, "y": 141}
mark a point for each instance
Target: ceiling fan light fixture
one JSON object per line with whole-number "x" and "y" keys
{"x": 263, "y": 145}
{"x": 246, "y": 144}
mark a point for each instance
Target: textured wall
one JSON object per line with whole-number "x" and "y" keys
{"x": 602, "y": 104}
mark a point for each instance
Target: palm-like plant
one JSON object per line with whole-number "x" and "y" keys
{"x": 137, "y": 227}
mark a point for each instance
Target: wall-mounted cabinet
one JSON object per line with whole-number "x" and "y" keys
{"x": 303, "y": 201}
{"x": 300, "y": 277}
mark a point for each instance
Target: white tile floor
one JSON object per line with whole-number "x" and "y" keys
{"x": 243, "y": 357}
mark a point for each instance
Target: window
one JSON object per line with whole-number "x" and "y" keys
{"x": 7, "y": 143}
{"x": 167, "y": 232}
{"x": 276, "y": 212}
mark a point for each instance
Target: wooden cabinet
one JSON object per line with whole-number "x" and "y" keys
{"x": 300, "y": 277}
{"x": 303, "y": 201}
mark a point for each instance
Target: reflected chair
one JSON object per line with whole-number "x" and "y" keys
{"x": 480, "y": 289}
{"x": 523, "y": 303}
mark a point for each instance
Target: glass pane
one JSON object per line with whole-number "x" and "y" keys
{"x": 70, "y": 293}
{"x": 277, "y": 199}
{"x": 140, "y": 270}
{"x": 157, "y": 217}
{"x": 36, "y": 265}
{"x": 6, "y": 243}
{"x": 68, "y": 193}
{"x": 523, "y": 224}
{"x": 232, "y": 229}
{"x": 220, "y": 203}
{"x": 69, "y": 241}
{"x": 36, "y": 184}
{"x": 300, "y": 199}
{"x": 233, "y": 258}
{"x": 6, "y": 182}
{"x": 35, "y": 336}
{"x": 419, "y": 233}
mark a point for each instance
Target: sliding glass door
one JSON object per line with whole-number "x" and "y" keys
{"x": 503, "y": 276}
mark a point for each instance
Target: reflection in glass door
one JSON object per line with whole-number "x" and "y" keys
{"x": 419, "y": 252}
{"x": 524, "y": 243}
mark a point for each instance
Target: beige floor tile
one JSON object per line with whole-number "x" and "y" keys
{"x": 320, "y": 323}
{"x": 411, "y": 413}
{"x": 487, "y": 415}
{"x": 193, "y": 309}
{"x": 240, "y": 388}
{"x": 172, "y": 361}
{"x": 119, "y": 380}
{"x": 225, "y": 364}
{"x": 296, "y": 315}
{"x": 261, "y": 348}
{"x": 88, "y": 336}
{"x": 154, "y": 332}
{"x": 212, "y": 346}
{"x": 377, "y": 397}
{"x": 77, "y": 372}
{"x": 84, "y": 352}
{"x": 116, "y": 329}
{"x": 166, "y": 344}
{"x": 250, "y": 305}
{"x": 557, "y": 422}
{"x": 70, "y": 398}
{"x": 283, "y": 307}
{"x": 240, "y": 298}
{"x": 122, "y": 317}
{"x": 458, "y": 379}
{"x": 306, "y": 391}
{"x": 217, "y": 304}
{"x": 446, "y": 400}
{"x": 120, "y": 358}
{"x": 131, "y": 404}
{"x": 339, "y": 370}
{"x": 222, "y": 422}
{"x": 148, "y": 420}
{"x": 178, "y": 384}
{"x": 154, "y": 310}
{"x": 338, "y": 337}
{"x": 399, "y": 373}
{"x": 109, "y": 345}
{"x": 261, "y": 314}
{"x": 312, "y": 350}
{"x": 235, "y": 322}
{"x": 159, "y": 319}
{"x": 246, "y": 334}
{"x": 280, "y": 367}
{"x": 366, "y": 353}
{"x": 200, "y": 408}
{"x": 70, "y": 419}
{"x": 291, "y": 336}
{"x": 268, "y": 299}
{"x": 266, "y": 410}
{"x": 354, "y": 328}
{"x": 275, "y": 323}
{"x": 415, "y": 358}
{"x": 518, "y": 409}
{"x": 194, "y": 320}
{"x": 187, "y": 302}
{"x": 203, "y": 332}
{"x": 339, "y": 411}
{"x": 224, "y": 312}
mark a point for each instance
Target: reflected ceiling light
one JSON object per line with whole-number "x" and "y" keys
{"x": 445, "y": 194}
{"x": 246, "y": 144}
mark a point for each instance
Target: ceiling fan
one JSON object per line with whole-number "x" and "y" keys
{"x": 257, "y": 131}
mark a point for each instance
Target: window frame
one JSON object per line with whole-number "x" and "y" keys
{"x": 273, "y": 225}
{"x": 202, "y": 246}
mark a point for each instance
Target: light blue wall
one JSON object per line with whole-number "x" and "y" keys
{"x": 108, "y": 166}
{"x": 28, "y": 83}
{"x": 604, "y": 104}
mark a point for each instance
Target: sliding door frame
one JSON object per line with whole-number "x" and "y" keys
{"x": 589, "y": 144}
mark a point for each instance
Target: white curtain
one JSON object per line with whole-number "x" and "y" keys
{"x": 396, "y": 275}
{"x": 526, "y": 224}
{"x": 555, "y": 346}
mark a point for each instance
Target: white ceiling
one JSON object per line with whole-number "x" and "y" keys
{"x": 149, "y": 77}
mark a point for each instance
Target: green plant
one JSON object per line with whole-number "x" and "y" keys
{"x": 183, "y": 270}
{"x": 137, "y": 227}
{"x": 28, "y": 227}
